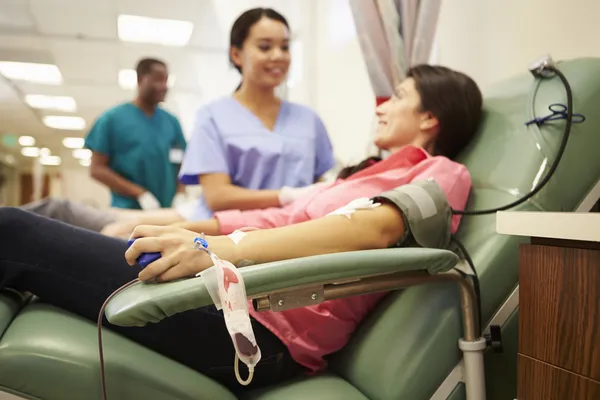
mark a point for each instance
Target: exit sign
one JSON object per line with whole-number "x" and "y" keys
{"x": 10, "y": 141}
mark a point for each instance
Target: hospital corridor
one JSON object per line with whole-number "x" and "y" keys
{"x": 299, "y": 200}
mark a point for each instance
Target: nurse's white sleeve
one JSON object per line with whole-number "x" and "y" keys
{"x": 205, "y": 152}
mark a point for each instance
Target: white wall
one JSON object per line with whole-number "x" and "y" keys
{"x": 77, "y": 185}
{"x": 342, "y": 91}
{"x": 492, "y": 40}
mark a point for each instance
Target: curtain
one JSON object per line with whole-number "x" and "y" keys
{"x": 393, "y": 36}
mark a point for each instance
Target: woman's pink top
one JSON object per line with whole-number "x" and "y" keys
{"x": 312, "y": 332}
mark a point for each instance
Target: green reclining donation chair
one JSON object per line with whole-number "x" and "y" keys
{"x": 409, "y": 346}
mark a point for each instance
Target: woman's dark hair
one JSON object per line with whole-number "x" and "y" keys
{"x": 241, "y": 27}
{"x": 453, "y": 98}
{"x": 351, "y": 170}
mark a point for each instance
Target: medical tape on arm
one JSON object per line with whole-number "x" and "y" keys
{"x": 226, "y": 287}
{"x": 237, "y": 236}
{"x": 362, "y": 203}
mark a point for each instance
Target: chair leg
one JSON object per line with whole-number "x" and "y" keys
{"x": 473, "y": 374}
{"x": 472, "y": 344}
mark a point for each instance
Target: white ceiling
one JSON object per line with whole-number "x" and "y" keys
{"x": 80, "y": 37}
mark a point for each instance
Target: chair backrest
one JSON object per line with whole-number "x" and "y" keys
{"x": 408, "y": 346}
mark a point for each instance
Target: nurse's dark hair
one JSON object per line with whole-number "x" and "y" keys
{"x": 241, "y": 28}
{"x": 454, "y": 99}
{"x": 144, "y": 66}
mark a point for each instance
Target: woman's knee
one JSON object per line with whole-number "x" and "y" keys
{"x": 14, "y": 215}
{"x": 15, "y": 226}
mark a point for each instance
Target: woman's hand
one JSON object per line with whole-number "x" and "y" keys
{"x": 179, "y": 257}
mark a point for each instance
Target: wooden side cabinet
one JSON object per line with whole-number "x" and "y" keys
{"x": 559, "y": 305}
{"x": 559, "y": 320}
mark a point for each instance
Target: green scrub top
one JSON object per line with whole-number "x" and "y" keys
{"x": 146, "y": 150}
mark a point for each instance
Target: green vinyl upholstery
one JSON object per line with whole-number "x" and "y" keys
{"x": 506, "y": 159}
{"x": 142, "y": 302}
{"x": 406, "y": 348}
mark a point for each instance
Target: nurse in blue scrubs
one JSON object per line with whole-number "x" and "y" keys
{"x": 138, "y": 146}
{"x": 248, "y": 146}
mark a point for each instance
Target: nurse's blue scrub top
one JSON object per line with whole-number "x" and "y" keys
{"x": 228, "y": 138}
{"x": 139, "y": 149}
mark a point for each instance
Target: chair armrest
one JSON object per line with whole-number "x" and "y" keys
{"x": 151, "y": 302}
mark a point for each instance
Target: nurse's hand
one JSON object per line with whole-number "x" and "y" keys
{"x": 289, "y": 194}
{"x": 120, "y": 229}
{"x": 179, "y": 200}
{"x": 179, "y": 257}
{"x": 148, "y": 201}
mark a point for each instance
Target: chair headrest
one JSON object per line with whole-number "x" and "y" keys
{"x": 508, "y": 157}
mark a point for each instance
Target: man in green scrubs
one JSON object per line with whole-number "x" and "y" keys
{"x": 138, "y": 146}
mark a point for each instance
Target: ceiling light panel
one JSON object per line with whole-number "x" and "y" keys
{"x": 30, "y": 151}
{"x": 166, "y": 32}
{"x": 46, "y": 74}
{"x": 73, "y": 142}
{"x": 27, "y": 141}
{"x": 82, "y": 154}
{"x": 64, "y": 122}
{"x": 55, "y": 103}
{"x": 50, "y": 160}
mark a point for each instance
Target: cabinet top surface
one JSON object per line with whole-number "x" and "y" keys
{"x": 556, "y": 225}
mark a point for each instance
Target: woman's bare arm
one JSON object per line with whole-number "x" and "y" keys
{"x": 376, "y": 228}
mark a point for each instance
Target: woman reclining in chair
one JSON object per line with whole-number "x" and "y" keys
{"x": 432, "y": 117}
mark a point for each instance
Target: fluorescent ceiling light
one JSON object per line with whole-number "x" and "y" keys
{"x": 73, "y": 142}
{"x": 166, "y": 32}
{"x": 128, "y": 79}
{"x": 9, "y": 158}
{"x": 50, "y": 160}
{"x": 30, "y": 151}
{"x": 82, "y": 154}
{"x": 58, "y": 103}
{"x": 85, "y": 162}
{"x": 46, "y": 74}
{"x": 64, "y": 123}
{"x": 27, "y": 141}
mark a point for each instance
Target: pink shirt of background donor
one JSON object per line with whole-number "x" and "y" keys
{"x": 311, "y": 333}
